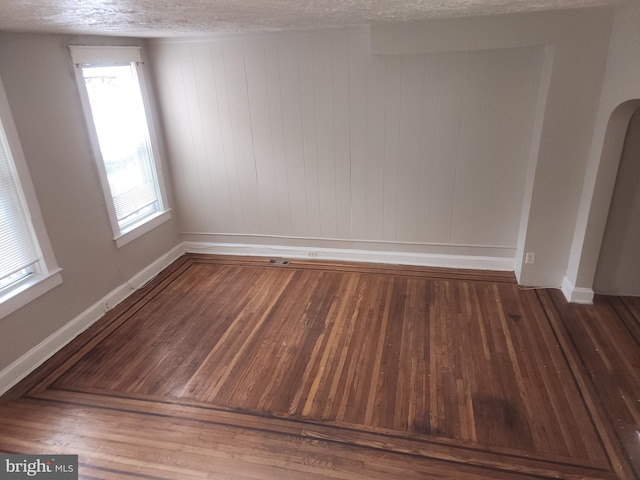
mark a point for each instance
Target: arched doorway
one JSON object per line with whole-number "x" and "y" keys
{"x": 595, "y": 203}
{"x": 618, "y": 269}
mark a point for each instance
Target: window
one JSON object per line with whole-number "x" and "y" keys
{"x": 113, "y": 93}
{"x": 27, "y": 265}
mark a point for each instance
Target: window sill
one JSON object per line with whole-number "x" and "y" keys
{"x": 146, "y": 225}
{"x": 29, "y": 291}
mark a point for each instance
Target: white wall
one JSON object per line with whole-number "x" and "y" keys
{"x": 39, "y": 81}
{"x": 577, "y": 43}
{"x": 290, "y": 138}
{"x": 620, "y": 98}
{"x": 618, "y": 271}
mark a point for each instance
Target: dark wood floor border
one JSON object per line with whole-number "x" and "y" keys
{"x": 498, "y": 461}
{"x": 621, "y": 306}
{"x": 606, "y": 432}
{"x": 334, "y": 458}
{"x": 97, "y": 398}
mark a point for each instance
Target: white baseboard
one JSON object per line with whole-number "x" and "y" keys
{"x": 31, "y": 360}
{"x": 354, "y": 255}
{"x": 575, "y": 294}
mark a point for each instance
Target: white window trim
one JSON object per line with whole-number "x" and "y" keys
{"x": 49, "y": 274}
{"x": 113, "y": 55}
{"x": 148, "y": 224}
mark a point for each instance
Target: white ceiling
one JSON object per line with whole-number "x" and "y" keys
{"x": 164, "y": 18}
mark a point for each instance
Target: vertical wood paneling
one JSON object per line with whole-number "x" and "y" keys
{"x": 221, "y": 217}
{"x": 490, "y": 149}
{"x": 504, "y": 142}
{"x": 409, "y": 154}
{"x": 447, "y": 140}
{"x": 309, "y": 128}
{"x": 226, "y": 127}
{"x": 255, "y": 62}
{"x": 341, "y": 127}
{"x": 427, "y": 144}
{"x": 202, "y": 164}
{"x": 277, "y": 134}
{"x": 358, "y": 134}
{"x": 323, "y": 75}
{"x": 198, "y": 164}
{"x": 233, "y": 54}
{"x": 311, "y": 135}
{"x": 376, "y": 100}
{"x": 293, "y": 134}
{"x": 391, "y": 146}
{"x": 471, "y": 154}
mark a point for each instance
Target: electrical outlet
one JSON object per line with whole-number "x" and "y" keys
{"x": 106, "y": 306}
{"x": 313, "y": 253}
{"x": 530, "y": 257}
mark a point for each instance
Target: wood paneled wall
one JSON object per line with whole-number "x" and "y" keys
{"x": 309, "y": 135}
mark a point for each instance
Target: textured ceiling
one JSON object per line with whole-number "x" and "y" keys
{"x": 163, "y": 18}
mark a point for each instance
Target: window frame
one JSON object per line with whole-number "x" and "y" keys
{"x": 83, "y": 55}
{"x": 46, "y": 273}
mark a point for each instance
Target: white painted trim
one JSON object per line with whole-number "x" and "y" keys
{"x": 575, "y": 294}
{"x": 29, "y": 291}
{"x": 146, "y": 225}
{"x": 284, "y": 238}
{"x": 104, "y": 54}
{"x": 31, "y": 360}
{"x": 371, "y": 256}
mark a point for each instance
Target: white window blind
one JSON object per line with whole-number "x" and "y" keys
{"x": 121, "y": 126}
{"x": 28, "y": 266}
{"x": 19, "y": 251}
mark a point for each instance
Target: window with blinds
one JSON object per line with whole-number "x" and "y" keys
{"x": 114, "y": 99}
{"x": 28, "y": 266}
{"x": 19, "y": 251}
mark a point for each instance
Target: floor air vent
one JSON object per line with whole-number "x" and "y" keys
{"x": 278, "y": 261}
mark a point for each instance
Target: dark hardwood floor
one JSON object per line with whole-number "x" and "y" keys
{"x": 232, "y": 367}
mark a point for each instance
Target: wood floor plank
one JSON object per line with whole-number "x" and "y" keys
{"x": 628, "y": 310}
{"x": 240, "y": 356}
{"x": 610, "y": 358}
{"x": 425, "y": 371}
